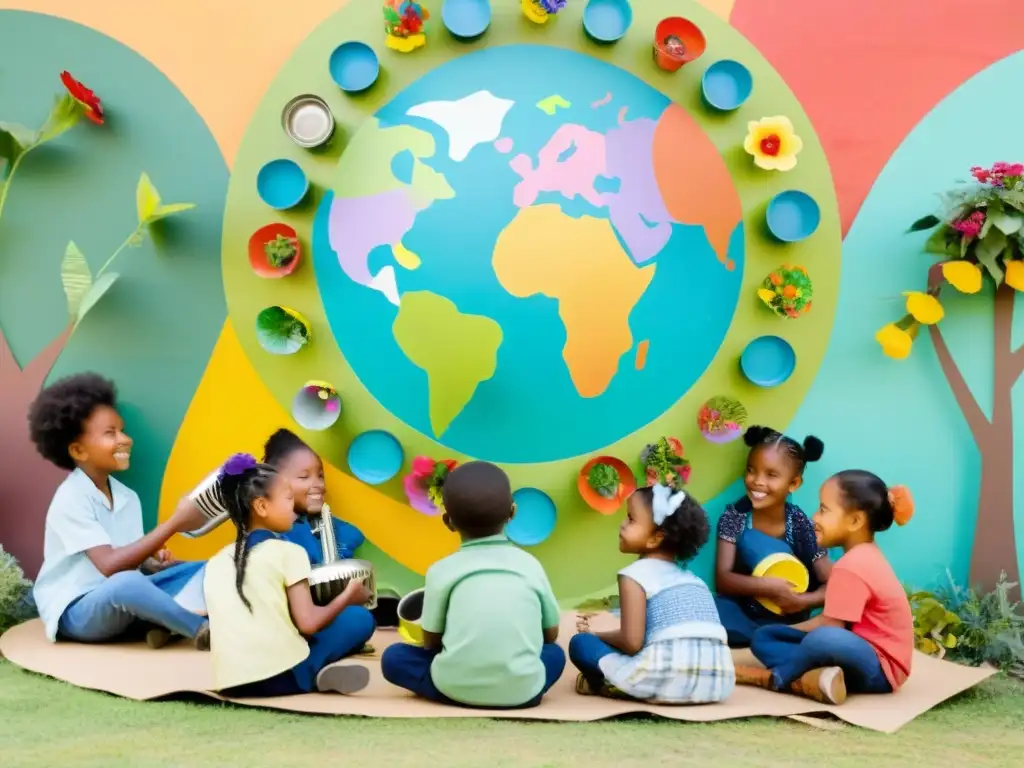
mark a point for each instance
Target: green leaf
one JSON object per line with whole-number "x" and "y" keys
{"x": 988, "y": 251}
{"x": 925, "y": 222}
{"x": 15, "y": 140}
{"x": 64, "y": 115}
{"x": 76, "y": 278}
{"x": 170, "y": 210}
{"x": 940, "y": 243}
{"x": 96, "y": 292}
{"x": 147, "y": 199}
{"x": 1007, "y": 222}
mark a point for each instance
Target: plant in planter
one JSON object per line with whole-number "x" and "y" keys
{"x": 978, "y": 236}
{"x": 935, "y": 626}
{"x": 787, "y": 291}
{"x": 280, "y": 251}
{"x": 403, "y": 24}
{"x": 664, "y": 463}
{"x": 604, "y": 479}
{"x": 15, "y": 592}
{"x": 424, "y": 484}
{"x": 539, "y": 11}
{"x": 721, "y": 419}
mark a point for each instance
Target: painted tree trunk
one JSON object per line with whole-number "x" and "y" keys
{"x": 27, "y": 481}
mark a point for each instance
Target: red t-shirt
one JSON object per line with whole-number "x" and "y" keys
{"x": 864, "y": 592}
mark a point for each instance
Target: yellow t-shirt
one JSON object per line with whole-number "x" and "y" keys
{"x": 251, "y": 646}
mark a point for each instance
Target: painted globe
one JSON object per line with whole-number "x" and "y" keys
{"x": 524, "y": 277}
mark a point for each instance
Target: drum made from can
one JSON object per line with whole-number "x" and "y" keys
{"x": 209, "y": 497}
{"x": 328, "y": 581}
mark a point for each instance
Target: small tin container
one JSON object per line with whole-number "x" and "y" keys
{"x": 308, "y": 121}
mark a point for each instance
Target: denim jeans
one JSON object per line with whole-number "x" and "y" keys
{"x": 585, "y": 652}
{"x": 349, "y": 631}
{"x": 789, "y": 653}
{"x": 408, "y": 666}
{"x": 125, "y": 598}
{"x": 740, "y": 625}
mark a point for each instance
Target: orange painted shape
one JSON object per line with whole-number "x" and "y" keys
{"x": 233, "y": 411}
{"x": 580, "y": 263}
{"x": 867, "y": 72}
{"x": 695, "y": 185}
{"x": 721, "y": 8}
{"x": 641, "y": 354}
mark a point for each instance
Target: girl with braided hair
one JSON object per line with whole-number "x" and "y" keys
{"x": 765, "y": 520}
{"x": 268, "y": 637}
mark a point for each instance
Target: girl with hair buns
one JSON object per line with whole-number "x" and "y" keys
{"x": 268, "y": 637}
{"x": 863, "y": 641}
{"x": 764, "y": 520}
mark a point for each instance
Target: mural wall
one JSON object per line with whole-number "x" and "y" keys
{"x": 529, "y": 248}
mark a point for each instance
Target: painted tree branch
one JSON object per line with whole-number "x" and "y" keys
{"x": 975, "y": 417}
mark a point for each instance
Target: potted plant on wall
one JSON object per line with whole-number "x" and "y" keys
{"x": 424, "y": 483}
{"x": 664, "y": 463}
{"x": 978, "y": 237}
{"x": 281, "y": 251}
{"x": 605, "y": 482}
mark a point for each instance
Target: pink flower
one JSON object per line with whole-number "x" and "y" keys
{"x": 416, "y": 492}
{"x": 423, "y": 467}
{"x": 980, "y": 174}
{"x": 418, "y": 483}
{"x": 970, "y": 226}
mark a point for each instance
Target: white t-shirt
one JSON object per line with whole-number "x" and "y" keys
{"x": 80, "y": 518}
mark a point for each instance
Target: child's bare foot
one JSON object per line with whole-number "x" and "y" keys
{"x": 827, "y": 685}
{"x": 157, "y": 637}
{"x": 758, "y": 677}
{"x": 202, "y": 640}
{"x": 342, "y": 678}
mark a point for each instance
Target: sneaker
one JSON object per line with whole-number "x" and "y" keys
{"x": 583, "y": 686}
{"x": 367, "y": 650}
{"x": 826, "y": 685}
{"x": 202, "y": 639}
{"x": 759, "y": 677}
{"x": 157, "y": 637}
{"x": 342, "y": 678}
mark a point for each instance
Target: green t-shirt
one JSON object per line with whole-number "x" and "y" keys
{"x": 491, "y": 602}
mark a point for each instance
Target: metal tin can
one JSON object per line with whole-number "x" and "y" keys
{"x": 308, "y": 121}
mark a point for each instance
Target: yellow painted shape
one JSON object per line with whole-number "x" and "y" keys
{"x": 722, "y": 8}
{"x": 580, "y": 263}
{"x": 457, "y": 351}
{"x": 552, "y": 104}
{"x": 405, "y": 257}
{"x": 233, "y": 411}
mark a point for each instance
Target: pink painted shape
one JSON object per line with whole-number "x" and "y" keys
{"x": 571, "y": 177}
{"x": 601, "y": 102}
{"x": 504, "y": 145}
{"x": 360, "y": 224}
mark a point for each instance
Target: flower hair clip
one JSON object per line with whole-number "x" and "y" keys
{"x": 238, "y": 464}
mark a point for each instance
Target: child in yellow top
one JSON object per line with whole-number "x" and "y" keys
{"x": 268, "y": 637}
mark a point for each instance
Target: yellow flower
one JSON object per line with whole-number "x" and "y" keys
{"x": 406, "y": 44}
{"x": 766, "y": 295}
{"x": 896, "y": 342}
{"x": 924, "y": 307}
{"x": 962, "y": 275}
{"x": 1015, "y": 275}
{"x": 773, "y": 143}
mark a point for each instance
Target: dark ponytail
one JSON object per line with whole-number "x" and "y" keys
{"x": 242, "y": 481}
{"x": 883, "y": 506}
{"x": 810, "y": 450}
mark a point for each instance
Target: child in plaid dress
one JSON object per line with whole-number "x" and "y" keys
{"x": 671, "y": 647}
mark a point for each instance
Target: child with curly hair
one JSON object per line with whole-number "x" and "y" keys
{"x": 269, "y": 637}
{"x": 863, "y": 640}
{"x": 670, "y": 647}
{"x": 98, "y": 563}
{"x": 765, "y": 520}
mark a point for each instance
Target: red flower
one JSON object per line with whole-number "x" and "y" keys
{"x": 89, "y": 100}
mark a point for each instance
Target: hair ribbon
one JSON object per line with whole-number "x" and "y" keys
{"x": 666, "y": 503}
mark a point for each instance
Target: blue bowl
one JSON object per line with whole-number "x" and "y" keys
{"x": 282, "y": 184}
{"x": 726, "y": 84}
{"x": 466, "y": 19}
{"x": 375, "y": 457}
{"x": 534, "y": 519}
{"x": 354, "y": 66}
{"x": 768, "y": 361}
{"x": 607, "y": 20}
{"x": 793, "y": 216}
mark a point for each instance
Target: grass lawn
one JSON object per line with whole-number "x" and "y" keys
{"x": 48, "y": 723}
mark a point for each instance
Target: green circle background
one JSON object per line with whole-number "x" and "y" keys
{"x": 715, "y": 467}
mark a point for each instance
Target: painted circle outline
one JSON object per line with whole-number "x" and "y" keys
{"x": 714, "y": 466}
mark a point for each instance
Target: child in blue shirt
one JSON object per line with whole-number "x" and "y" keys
{"x": 97, "y": 561}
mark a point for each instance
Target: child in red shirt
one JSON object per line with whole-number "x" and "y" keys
{"x": 863, "y": 640}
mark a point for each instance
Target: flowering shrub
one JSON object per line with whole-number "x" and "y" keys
{"x": 981, "y": 232}
{"x": 15, "y": 592}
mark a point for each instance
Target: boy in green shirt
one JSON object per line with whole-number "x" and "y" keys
{"x": 490, "y": 619}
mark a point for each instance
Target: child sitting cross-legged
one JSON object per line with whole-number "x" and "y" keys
{"x": 863, "y": 641}
{"x": 490, "y": 619}
{"x": 97, "y": 580}
{"x": 269, "y": 638}
{"x": 671, "y": 647}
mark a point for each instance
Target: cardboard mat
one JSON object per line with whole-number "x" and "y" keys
{"x": 134, "y": 671}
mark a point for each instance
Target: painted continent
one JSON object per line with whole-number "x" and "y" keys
{"x": 457, "y": 351}
{"x": 579, "y": 263}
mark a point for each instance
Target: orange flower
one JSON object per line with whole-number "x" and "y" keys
{"x": 776, "y": 278}
{"x": 90, "y": 101}
{"x": 789, "y": 291}
{"x": 902, "y": 504}
{"x": 807, "y": 306}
